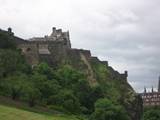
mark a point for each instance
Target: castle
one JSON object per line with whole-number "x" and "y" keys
{"x": 151, "y": 98}
{"x": 56, "y": 49}
{"x": 37, "y": 47}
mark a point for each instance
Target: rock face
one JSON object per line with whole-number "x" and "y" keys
{"x": 56, "y": 50}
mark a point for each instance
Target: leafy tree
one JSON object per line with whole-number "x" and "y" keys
{"x": 83, "y": 92}
{"x": 48, "y": 89}
{"x": 31, "y": 94}
{"x": 44, "y": 69}
{"x": 106, "y": 110}
{"x": 11, "y": 61}
{"x": 67, "y": 100}
{"x": 68, "y": 76}
{"x": 7, "y": 41}
{"x": 38, "y": 79}
{"x": 14, "y": 85}
{"x": 95, "y": 94}
{"x": 152, "y": 114}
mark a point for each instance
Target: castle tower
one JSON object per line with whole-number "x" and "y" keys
{"x": 126, "y": 73}
{"x": 159, "y": 85}
{"x": 10, "y": 31}
{"x": 54, "y": 33}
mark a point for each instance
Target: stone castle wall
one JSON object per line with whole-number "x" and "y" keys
{"x": 30, "y": 51}
{"x": 38, "y": 47}
{"x": 56, "y": 49}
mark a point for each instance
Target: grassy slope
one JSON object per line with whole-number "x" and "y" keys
{"x": 10, "y": 113}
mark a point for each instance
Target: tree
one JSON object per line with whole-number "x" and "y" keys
{"x": 11, "y": 61}
{"x": 7, "y": 41}
{"x": 15, "y": 84}
{"x": 83, "y": 91}
{"x": 67, "y": 100}
{"x": 68, "y": 76}
{"x": 44, "y": 69}
{"x": 152, "y": 114}
{"x": 31, "y": 94}
{"x": 48, "y": 89}
{"x": 106, "y": 110}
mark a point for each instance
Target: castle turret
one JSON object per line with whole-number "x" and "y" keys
{"x": 67, "y": 38}
{"x": 10, "y": 31}
{"x": 159, "y": 85}
{"x": 126, "y": 73}
{"x": 53, "y": 29}
{"x": 152, "y": 89}
{"x": 53, "y": 34}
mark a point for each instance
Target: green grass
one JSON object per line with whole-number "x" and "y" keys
{"x": 10, "y": 113}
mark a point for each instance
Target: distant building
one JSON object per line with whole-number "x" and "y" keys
{"x": 151, "y": 98}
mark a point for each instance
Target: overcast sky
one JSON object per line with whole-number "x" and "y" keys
{"x": 124, "y": 32}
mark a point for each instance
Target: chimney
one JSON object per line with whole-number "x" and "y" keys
{"x": 152, "y": 89}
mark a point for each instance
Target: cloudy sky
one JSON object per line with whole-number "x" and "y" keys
{"x": 124, "y": 32}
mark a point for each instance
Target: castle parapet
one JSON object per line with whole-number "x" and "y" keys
{"x": 95, "y": 59}
{"x": 124, "y": 75}
{"x": 87, "y": 53}
{"x": 59, "y": 31}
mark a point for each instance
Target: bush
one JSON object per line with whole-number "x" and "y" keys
{"x": 31, "y": 94}
{"x": 12, "y": 61}
{"x": 106, "y": 110}
{"x": 14, "y": 85}
{"x": 67, "y": 100}
{"x": 7, "y": 41}
{"x": 152, "y": 113}
{"x": 58, "y": 108}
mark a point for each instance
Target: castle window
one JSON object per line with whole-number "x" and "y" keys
{"x": 28, "y": 49}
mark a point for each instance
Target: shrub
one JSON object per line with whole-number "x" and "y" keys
{"x": 106, "y": 110}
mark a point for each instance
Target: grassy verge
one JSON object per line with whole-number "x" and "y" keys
{"x": 16, "y": 110}
{"x": 10, "y": 113}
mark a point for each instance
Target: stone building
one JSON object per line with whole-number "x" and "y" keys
{"x": 151, "y": 98}
{"x": 37, "y": 48}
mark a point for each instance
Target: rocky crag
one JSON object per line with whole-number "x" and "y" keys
{"x": 56, "y": 50}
